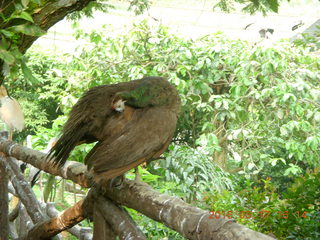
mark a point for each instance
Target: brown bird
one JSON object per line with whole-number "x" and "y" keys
{"x": 132, "y": 122}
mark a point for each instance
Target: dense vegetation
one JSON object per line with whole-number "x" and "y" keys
{"x": 247, "y": 142}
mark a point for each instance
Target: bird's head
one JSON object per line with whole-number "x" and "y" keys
{"x": 118, "y": 105}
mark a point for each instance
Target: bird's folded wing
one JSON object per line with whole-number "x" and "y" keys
{"x": 146, "y": 135}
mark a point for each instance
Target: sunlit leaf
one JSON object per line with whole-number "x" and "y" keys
{"x": 251, "y": 166}
{"x": 283, "y": 131}
{"x": 26, "y": 16}
{"x": 28, "y": 29}
{"x": 317, "y": 116}
{"x": 28, "y": 74}
{"x": 25, "y": 3}
{"x": 236, "y": 157}
{"x": 274, "y": 5}
{"x": 6, "y": 33}
{"x": 6, "y": 56}
{"x": 280, "y": 113}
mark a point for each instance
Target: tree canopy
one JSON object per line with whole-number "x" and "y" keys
{"x": 246, "y": 145}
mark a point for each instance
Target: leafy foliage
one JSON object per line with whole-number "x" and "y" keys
{"x": 17, "y": 21}
{"x": 310, "y": 41}
{"x": 251, "y": 6}
{"x": 270, "y": 102}
{"x": 192, "y": 172}
{"x": 292, "y": 215}
{"x": 261, "y": 102}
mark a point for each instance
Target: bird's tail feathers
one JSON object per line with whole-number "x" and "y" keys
{"x": 60, "y": 152}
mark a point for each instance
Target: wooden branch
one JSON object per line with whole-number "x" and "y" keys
{"x": 191, "y": 222}
{"x": 24, "y": 221}
{"x": 71, "y": 188}
{"x": 85, "y": 234}
{"x": 101, "y": 230}
{"x": 51, "y": 13}
{"x": 73, "y": 171}
{"x": 119, "y": 220}
{"x": 4, "y": 201}
{"x": 24, "y": 191}
{"x": 55, "y": 225}
{"x": 15, "y": 212}
{"x": 11, "y": 189}
{"x": 75, "y": 230}
{"x": 13, "y": 230}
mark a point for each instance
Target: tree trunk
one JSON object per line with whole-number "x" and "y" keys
{"x": 220, "y": 157}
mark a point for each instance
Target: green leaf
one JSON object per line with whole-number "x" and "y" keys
{"x": 6, "y": 56}
{"x": 264, "y": 156}
{"x": 274, "y": 161}
{"x": 4, "y": 44}
{"x": 25, "y": 3}
{"x": 236, "y": 157}
{"x": 6, "y": 33}
{"x": 317, "y": 116}
{"x": 28, "y": 74}
{"x": 274, "y": 5}
{"x": 251, "y": 165}
{"x": 283, "y": 131}
{"x": 288, "y": 96}
{"x": 280, "y": 113}
{"x": 27, "y": 29}
{"x": 18, "y": 6}
{"x": 37, "y": 1}
{"x": 25, "y": 16}
{"x": 312, "y": 142}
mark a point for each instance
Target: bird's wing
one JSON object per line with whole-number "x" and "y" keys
{"x": 147, "y": 135}
{"x": 85, "y": 121}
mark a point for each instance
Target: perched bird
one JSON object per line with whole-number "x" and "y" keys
{"x": 10, "y": 112}
{"x": 132, "y": 122}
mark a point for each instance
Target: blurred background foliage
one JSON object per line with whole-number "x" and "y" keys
{"x": 248, "y": 134}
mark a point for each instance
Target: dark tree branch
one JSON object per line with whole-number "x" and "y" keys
{"x": 23, "y": 189}
{"x": 51, "y": 13}
{"x": 45, "y": 16}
